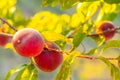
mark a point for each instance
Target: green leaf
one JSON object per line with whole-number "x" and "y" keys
{"x": 47, "y": 2}
{"x": 99, "y": 39}
{"x": 112, "y": 1}
{"x": 65, "y": 4}
{"x": 86, "y": 10}
{"x": 107, "y": 12}
{"x": 111, "y": 44}
{"x": 81, "y": 34}
{"x": 65, "y": 71}
{"x": 52, "y": 36}
{"x": 28, "y": 73}
{"x": 115, "y": 72}
{"x": 14, "y": 70}
{"x": 89, "y": 27}
{"x": 92, "y": 51}
{"x": 78, "y": 38}
{"x": 105, "y": 60}
{"x": 68, "y": 3}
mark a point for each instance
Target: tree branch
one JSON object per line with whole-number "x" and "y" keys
{"x": 5, "y": 34}
{"x": 92, "y": 58}
{"x": 97, "y": 34}
{"x": 110, "y": 30}
{"x": 4, "y": 21}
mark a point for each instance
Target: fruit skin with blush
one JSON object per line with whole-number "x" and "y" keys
{"x": 5, "y": 38}
{"x": 50, "y": 58}
{"x": 108, "y": 28}
{"x": 28, "y": 42}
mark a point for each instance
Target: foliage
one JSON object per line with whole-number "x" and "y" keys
{"x": 65, "y": 30}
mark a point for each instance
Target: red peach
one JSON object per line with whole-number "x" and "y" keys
{"x": 50, "y": 58}
{"x": 28, "y": 42}
{"x": 5, "y": 38}
{"x": 109, "y": 27}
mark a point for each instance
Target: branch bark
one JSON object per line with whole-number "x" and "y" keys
{"x": 6, "y": 22}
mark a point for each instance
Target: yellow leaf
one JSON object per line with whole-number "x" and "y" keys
{"x": 52, "y": 36}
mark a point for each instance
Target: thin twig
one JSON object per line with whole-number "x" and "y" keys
{"x": 97, "y": 34}
{"x": 92, "y": 58}
{"x": 5, "y": 34}
{"x": 118, "y": 28}
{"x": 73, "y": 32}
{"x": 111, "y": 30}
{"x": 81, "y": 56}
{"x": 4, "y": 21}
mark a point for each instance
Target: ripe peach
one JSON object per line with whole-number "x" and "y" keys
{"x": 28, "y": 42}
{"x": 108, "y": 29}
{"x": 50, "y": 58}
{"x": 5, "y": 38}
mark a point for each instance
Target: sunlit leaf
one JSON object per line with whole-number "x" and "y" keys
{"x": 68, "y": 3}
{"x": 111, "y": 44}
{"x": 65, "y": 18}
{"x": 28, "y": 73}
{"x": 86, "y": 10}
{"x": 14, "y": 70}
{"x": 112, "y": 1}
{"x": 65, "y": 4}
{"x": 92, "y": 51}
{"x": 115, "y": 72}
{"x": 65, "y": 70}
{"x": 88, "y": 28}
{"x": 52, "y": 36}
{"x": 7, "y": 8}
{"x": 78, "y": 38}
{"x": 44, "y": 21}
{"x": 107, "y": 12}
{"x": 75, "y": 20}
{"x": 81, "y": 34}
{"x": 99, "y": 39}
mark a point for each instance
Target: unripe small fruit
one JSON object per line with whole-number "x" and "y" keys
{"x": 50, "y": 58}
{"x": 28, "y": 42}
{"x": 5, "y": 38}
{"x": 108, "y": 28}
